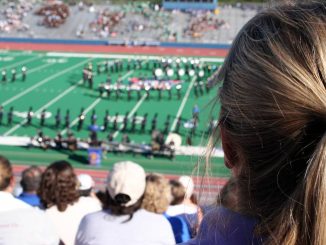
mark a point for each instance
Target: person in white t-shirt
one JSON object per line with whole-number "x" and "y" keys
{"x": 60, "y": 198}
{"x": 182, "y": 204}
{"x": 20, "y": 223}
{"x": 123, "y": 222}
{"x": 86, "y": 195}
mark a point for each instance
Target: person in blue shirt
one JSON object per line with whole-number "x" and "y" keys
{"x": 30, "y": 182}
{"x": 272, "y": 125}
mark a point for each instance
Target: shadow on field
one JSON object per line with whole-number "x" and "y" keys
{"x": 79, "y": 158}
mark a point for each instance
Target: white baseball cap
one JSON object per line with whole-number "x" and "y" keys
{"x": 127, "y": 178}
{"x": 86, "y": 182}
{"x": 188, "y": 184}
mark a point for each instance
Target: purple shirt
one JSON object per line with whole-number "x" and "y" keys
{"x": 222, "y": 226}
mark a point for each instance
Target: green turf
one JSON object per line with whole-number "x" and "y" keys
{"x": 49, "y": 77}
{"x": 180, "y": 165}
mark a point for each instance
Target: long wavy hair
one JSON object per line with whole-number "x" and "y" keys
{"x": 273, "y": 115}
{"x": 6, "y": 173}
{"x": 59, "y": 186}
{"x": 157, "y": 195}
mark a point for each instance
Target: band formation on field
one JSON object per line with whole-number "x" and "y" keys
{"x": 148, "y": 105}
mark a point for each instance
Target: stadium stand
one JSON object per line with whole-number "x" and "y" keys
{"x": 131, "y": 24}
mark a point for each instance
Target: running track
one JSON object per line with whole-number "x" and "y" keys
{"x": 116, "y": 49}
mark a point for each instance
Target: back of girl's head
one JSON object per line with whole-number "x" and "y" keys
{"x": 178, "y": 192}
{"x": 157, "y": 195}
{"x": 58, "y": 186}
{"x": 273, "y": 121}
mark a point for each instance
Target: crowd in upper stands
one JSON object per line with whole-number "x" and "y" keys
{"x": 64, "y": 207}
{"x": 132, "y": 22}
{"x": 54, "y": 14}
{"x": 14, "y": 14}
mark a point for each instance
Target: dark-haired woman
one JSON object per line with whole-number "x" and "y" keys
{"x": 59, "y": 196}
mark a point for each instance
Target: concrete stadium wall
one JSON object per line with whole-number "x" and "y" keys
{"x": 113, "y": 43}
{"x": 189, "y": 6}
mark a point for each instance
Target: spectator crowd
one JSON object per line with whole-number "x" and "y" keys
{"x": 57, "y": 206}
{"x": 54, "y": 14}
{"x": 130, "y": 22}
{"x": 13, "y": 16}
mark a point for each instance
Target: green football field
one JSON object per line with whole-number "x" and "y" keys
{"x": 54, "y": 81}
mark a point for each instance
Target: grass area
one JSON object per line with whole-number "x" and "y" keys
{"x": 50, "y": 77}
{"x": 181, "y": 165}
{"x": 54, "y": 82}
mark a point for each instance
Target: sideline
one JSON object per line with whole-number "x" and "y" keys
{"x": 123, "y": 56}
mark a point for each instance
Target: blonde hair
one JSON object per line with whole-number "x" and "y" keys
{"x": 273, "y": 113}
{"x": 157, "y": 194}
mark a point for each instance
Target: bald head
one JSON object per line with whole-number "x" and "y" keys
{"x": 31, "y": 179}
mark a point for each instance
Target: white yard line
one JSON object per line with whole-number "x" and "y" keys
{"x": 42, "y": 82}
{"x": 183, "y": 103}
{"x": 131, "y": 113}
{"x": 35, "y": 69}
{"x": 124, "y": 56}
{"x": 25, "y": 62}
{"x": 51, "y": 102}
{"x": 62, "y": 95}
{"x": 127, "y": 75}
{"x": 73, "y": 123}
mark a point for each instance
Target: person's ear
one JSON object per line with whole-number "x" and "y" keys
{"x": 230, "y": 154}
